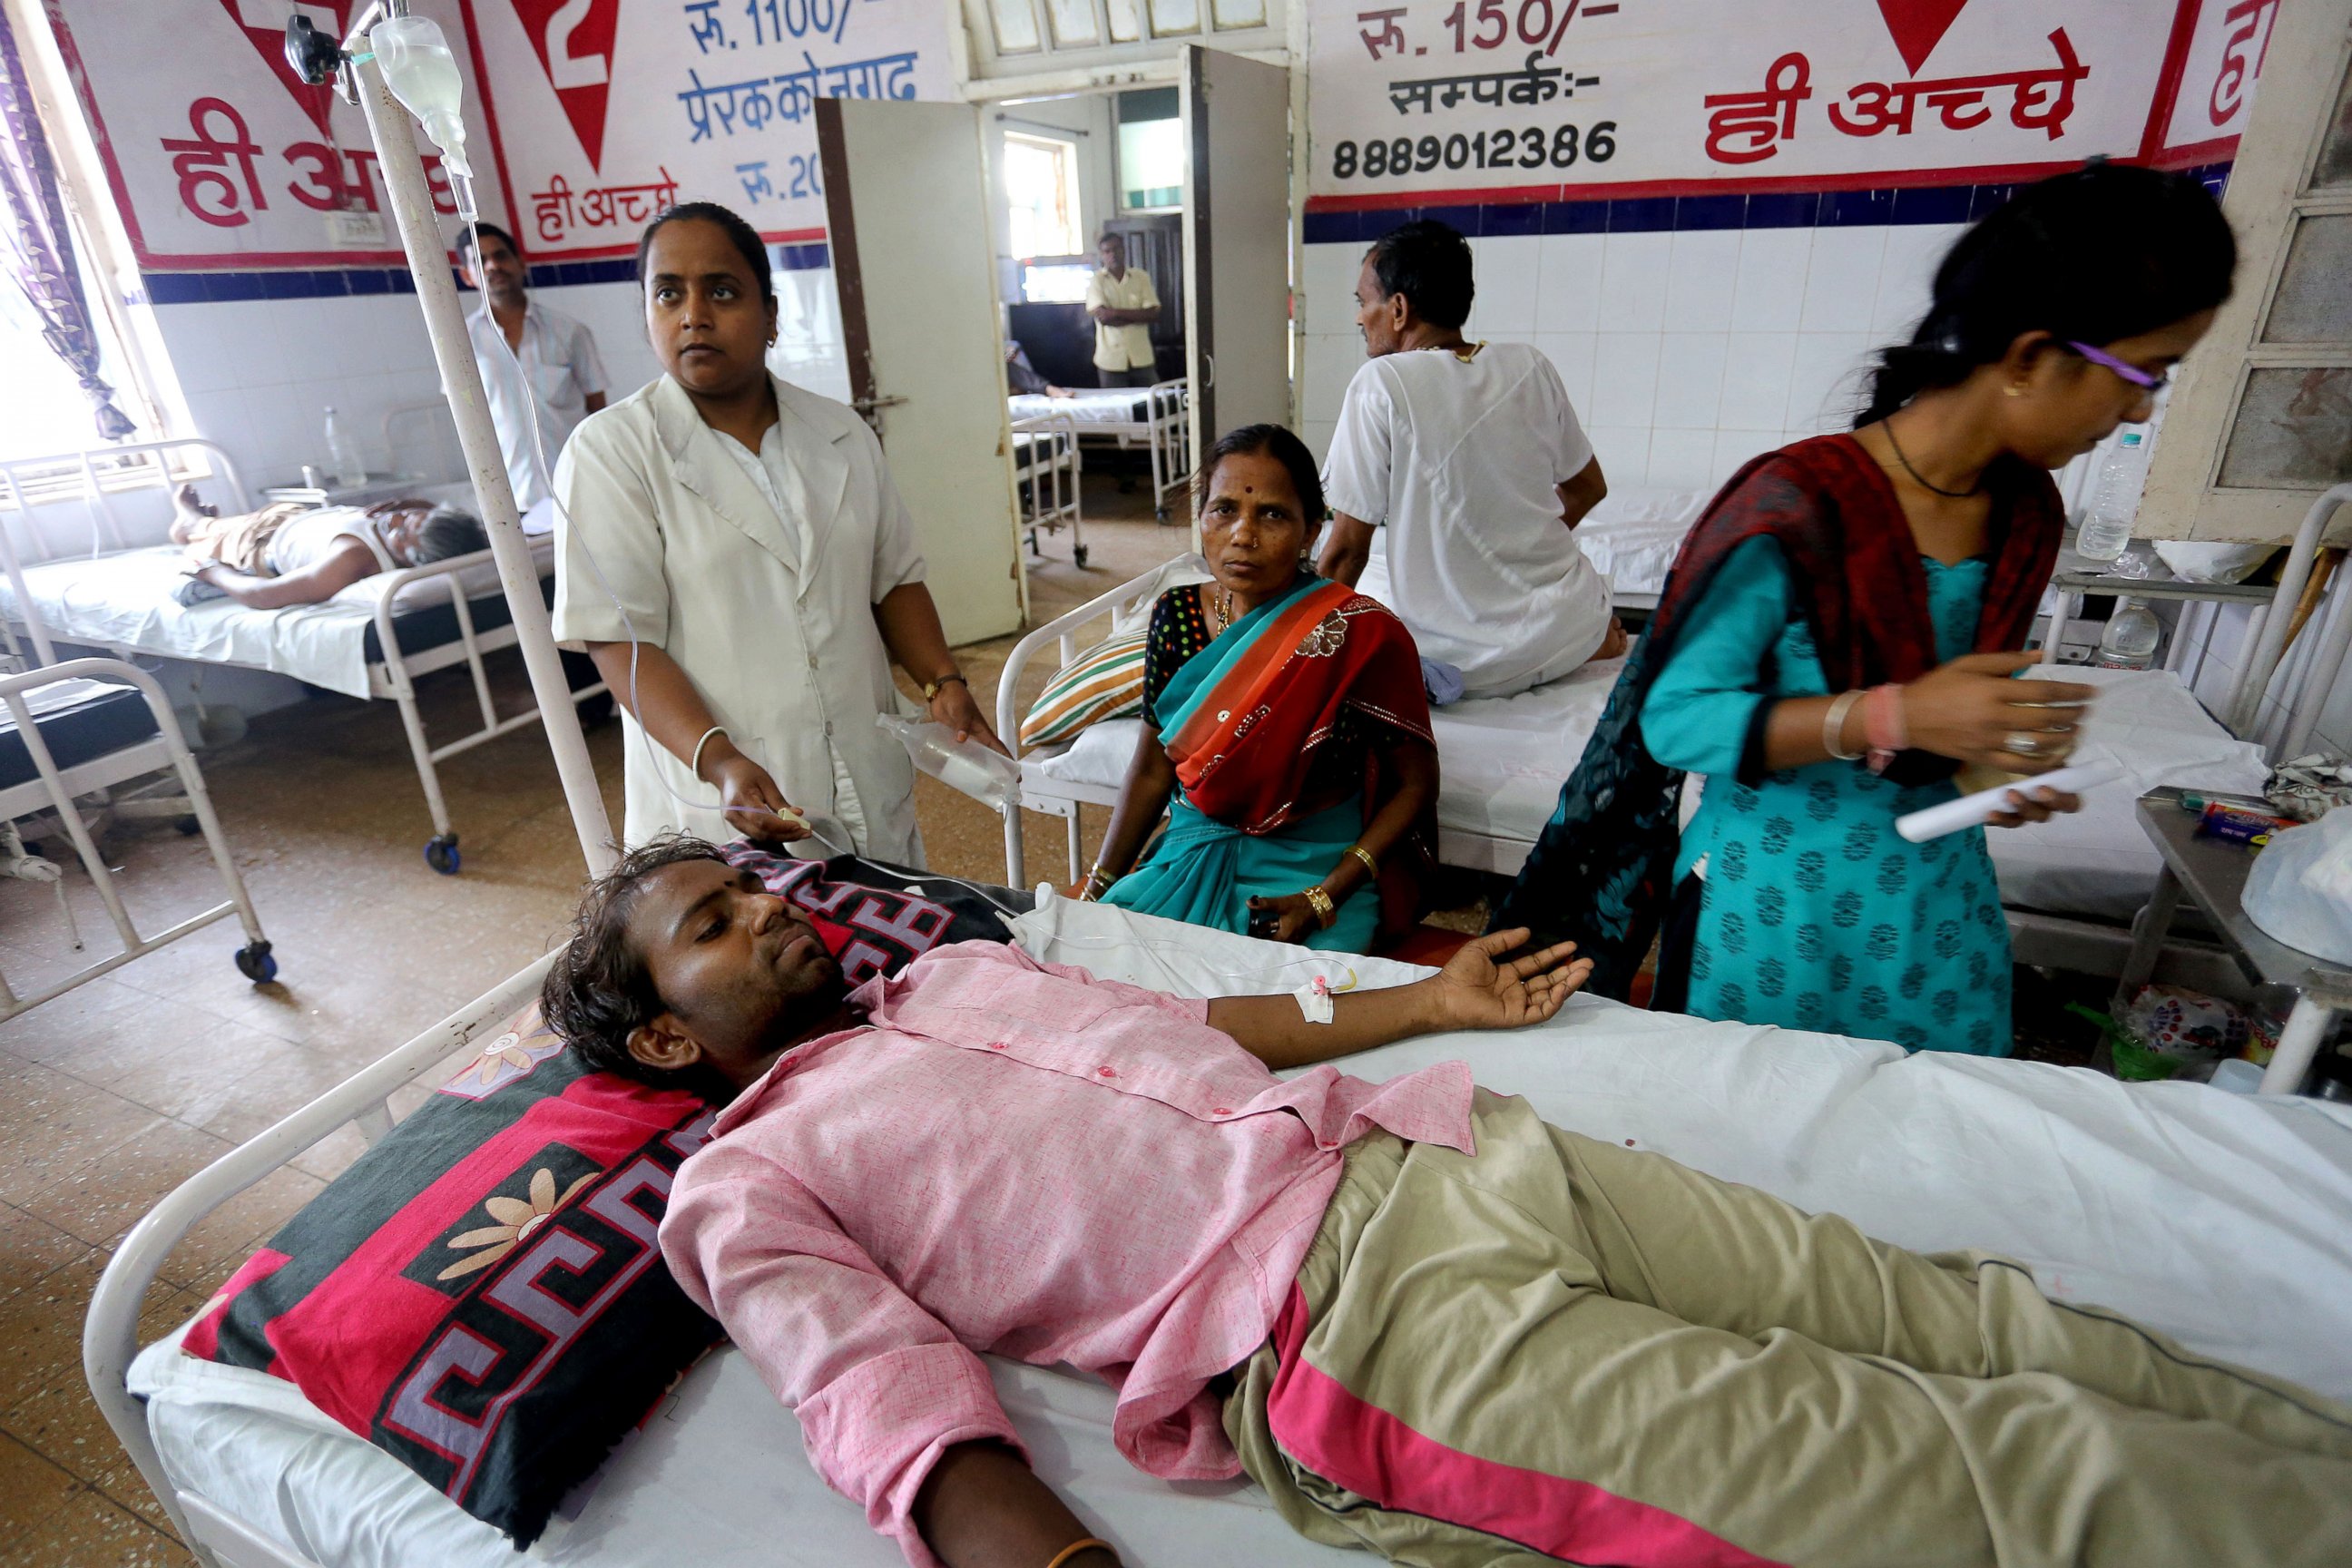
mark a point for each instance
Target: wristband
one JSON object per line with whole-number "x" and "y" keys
{"x": 1883, "y": 724}
{"x": 1833, "y": 726}
{"x": 931, "y": 688}
{"x": 695, "y": 767}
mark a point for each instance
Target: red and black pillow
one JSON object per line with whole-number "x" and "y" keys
{"x": 482, "y": 1293}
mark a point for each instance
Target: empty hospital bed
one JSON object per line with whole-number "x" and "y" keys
{"x": 1157, "y": 418}
{"x": 374, "y": 640}
{"x": 2217, "y": 1220}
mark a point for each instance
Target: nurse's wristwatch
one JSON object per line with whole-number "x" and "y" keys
{"x": 931, "y": 688}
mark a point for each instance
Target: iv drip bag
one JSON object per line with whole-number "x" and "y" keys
{"x": 423, "y": 74}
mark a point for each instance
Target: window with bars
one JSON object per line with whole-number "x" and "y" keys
{"x": 1034, "y": 37}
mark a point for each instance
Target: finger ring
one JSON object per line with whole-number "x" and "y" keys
{"x": 2019, "y": 744}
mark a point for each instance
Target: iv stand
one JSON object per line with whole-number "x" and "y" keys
{"x": 461, "y": 384}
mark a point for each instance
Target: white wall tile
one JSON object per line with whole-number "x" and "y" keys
{"x": 1633, "y": 268}
{"x": 1567, "y": 282}
{"x": 1770, "y": 295}
{"x": 1327, "y": 277}
{"x": 1623, "y": 451}
{"x": 1734, "y": 447}
{"x": 1755, "y": 380}
{"x": 1690, "y": 380}
{"x": 1331, "y": 361}
{"x": 1842, "y": 279}
{"x": 1625, "y": 378}
{"x": 1683, "y": 458}
{"x": 1702, "y": 277}
{"x": 1823, "y": 382}
{"x": 1316, "y": 433}
{"x": 1572, "y": 354}
{"x": 1906, "y": 275}
{"x": 1507, "y": 272}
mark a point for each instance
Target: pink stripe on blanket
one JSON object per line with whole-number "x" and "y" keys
{"x": 1371, "y": 1452}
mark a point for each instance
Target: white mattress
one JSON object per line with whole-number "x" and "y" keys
{"x": 1088, "y": 406}
{"x": 2214, "y": 1217}
{"x": 1633, "y": 535}
{"x": 123, "y": 599}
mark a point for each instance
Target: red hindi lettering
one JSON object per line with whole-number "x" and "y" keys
{"x": 2246, "y": 20}
{"x": 1749, "y": 127}
{"x": 201, "y": 161}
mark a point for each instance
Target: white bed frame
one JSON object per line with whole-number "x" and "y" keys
{"x": 393, "y": 674}
{"x": 1165, "y": 431}
{"x": 110, "y": 1333}
{"x": 55, "y": 789}
{"x": 1045, "y": 473}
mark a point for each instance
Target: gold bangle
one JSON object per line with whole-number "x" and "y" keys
{"x": 1372, "y": 866}
{"x": 1318, "y": 898}
{"x": 1075, "y": 1547}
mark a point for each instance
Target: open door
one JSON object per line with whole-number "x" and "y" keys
{"x": 906, "y": 204}
{"x": 1236, "y": 118}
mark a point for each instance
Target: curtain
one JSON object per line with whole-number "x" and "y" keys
{"x": 41, "y": 245}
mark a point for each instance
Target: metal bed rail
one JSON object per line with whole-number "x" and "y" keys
{"x": 100, "y": 507}
{"x": 169, "y": 747}
{"x": 394, "y": 676}
{"x": 1047, "y": 466}
{"x": 110, "y": 1332}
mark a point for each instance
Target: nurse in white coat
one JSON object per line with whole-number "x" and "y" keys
{"x": 739, "y": 542}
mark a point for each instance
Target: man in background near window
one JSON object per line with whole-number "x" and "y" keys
{"x": 1123, "y": 304}
{"x": 557, "y": 354}
{"x": 1469, "y": 461}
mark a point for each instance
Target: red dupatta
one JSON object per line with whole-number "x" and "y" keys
{"x": 1245, "y": 743}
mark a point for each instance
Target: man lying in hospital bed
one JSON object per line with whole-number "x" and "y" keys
{"x": 291, "y": 552}
{"x": 1422, "y": 1321}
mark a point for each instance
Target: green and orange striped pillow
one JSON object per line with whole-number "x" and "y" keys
{"x": 1104, "y": 682}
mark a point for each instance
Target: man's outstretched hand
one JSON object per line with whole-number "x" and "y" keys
{"x": 1483, "y": 988}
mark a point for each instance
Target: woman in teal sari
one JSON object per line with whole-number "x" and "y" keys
{"x": 1287, "y": 732}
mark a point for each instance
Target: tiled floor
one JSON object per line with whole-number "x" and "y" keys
{"x": 114, "y": 1094}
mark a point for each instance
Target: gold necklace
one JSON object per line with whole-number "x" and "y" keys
{"x": 1225, "y": 608}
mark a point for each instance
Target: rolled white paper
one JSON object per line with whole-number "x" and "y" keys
{"x": 1972, "y": 810}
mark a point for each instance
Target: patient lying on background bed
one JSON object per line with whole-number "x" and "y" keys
{"x": 1425, "y": 1323}
{"x": 293, "y": 552}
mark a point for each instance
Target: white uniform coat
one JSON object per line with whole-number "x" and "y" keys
{"x": 774, "y": 625}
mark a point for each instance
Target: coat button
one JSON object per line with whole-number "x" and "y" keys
{"x": 1106, "y": 1072}
{"x": 828, "y": 729}
{"x": 812, "y": 661}
{"x": 1221, "y": 1111}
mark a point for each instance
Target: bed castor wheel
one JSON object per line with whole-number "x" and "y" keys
{"x": 188, "y": 825}
{"x": 254, "y": 962}
{"x": 1078, "y": 554}
{"x": 441, "y": 854}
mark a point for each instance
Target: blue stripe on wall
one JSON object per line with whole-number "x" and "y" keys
{"x": 1772, "y": 209}
{"x": 334, "y": 283}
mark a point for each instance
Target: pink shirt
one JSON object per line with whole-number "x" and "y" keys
{"x": 1017, "y": 1158}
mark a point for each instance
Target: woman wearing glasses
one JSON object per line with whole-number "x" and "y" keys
{"x": 1839, "y": 635}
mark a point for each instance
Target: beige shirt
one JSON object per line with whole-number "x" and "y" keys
{"x": 766, "y": 604}
{"x": 1122, "y": 348}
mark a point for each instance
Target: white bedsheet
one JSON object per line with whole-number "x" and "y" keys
{"x": 1088, "y": 406}
{"x": 1633, "y": 535}
{"x": 2214, "y": 1217}
{"x": 123, "y": 599}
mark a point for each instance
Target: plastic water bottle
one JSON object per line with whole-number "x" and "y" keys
{"x": 2114, "y": 499}
{"x": 342, "y": 456}
{"x": 2131, "y": 638}
{"x": 988, "y": 777}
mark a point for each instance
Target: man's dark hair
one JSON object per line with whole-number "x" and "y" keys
{"x": 446, "y": 531}
{"x": 2108, "y": 251}
{"x": 1429, "y": 263}
{"x": 599, "y": 991}
{"x": 465, "y": 238}
{"x": 745, "y": 239}
{"x": 1274, "y": 441}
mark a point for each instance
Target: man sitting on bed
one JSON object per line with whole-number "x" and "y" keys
{"x": 1469, "y": 461}
{"x": 291, "y": 552}
{"x": 1424, "y": 1321}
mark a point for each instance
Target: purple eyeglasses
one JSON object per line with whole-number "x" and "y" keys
{"x": 2146, "y": 380}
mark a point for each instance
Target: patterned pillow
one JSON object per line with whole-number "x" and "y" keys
{"x": 1104, "y": 682}
{"x": 482, "y": 1294}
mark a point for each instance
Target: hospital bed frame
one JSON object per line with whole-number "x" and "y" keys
{"x": 56, "y": 789}
{"x": 393, "y": 673}
{"x": 1046, "y": 465}
{"x": 1165, "y": 432}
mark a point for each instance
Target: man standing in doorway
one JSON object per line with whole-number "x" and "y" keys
{"x": 557, "y": 354}
{"x": 1124, "y": 305}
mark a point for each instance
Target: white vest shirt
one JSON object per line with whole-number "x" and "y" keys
{"x": 1457, "y": 460}
{"x": 774, "y": 625}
